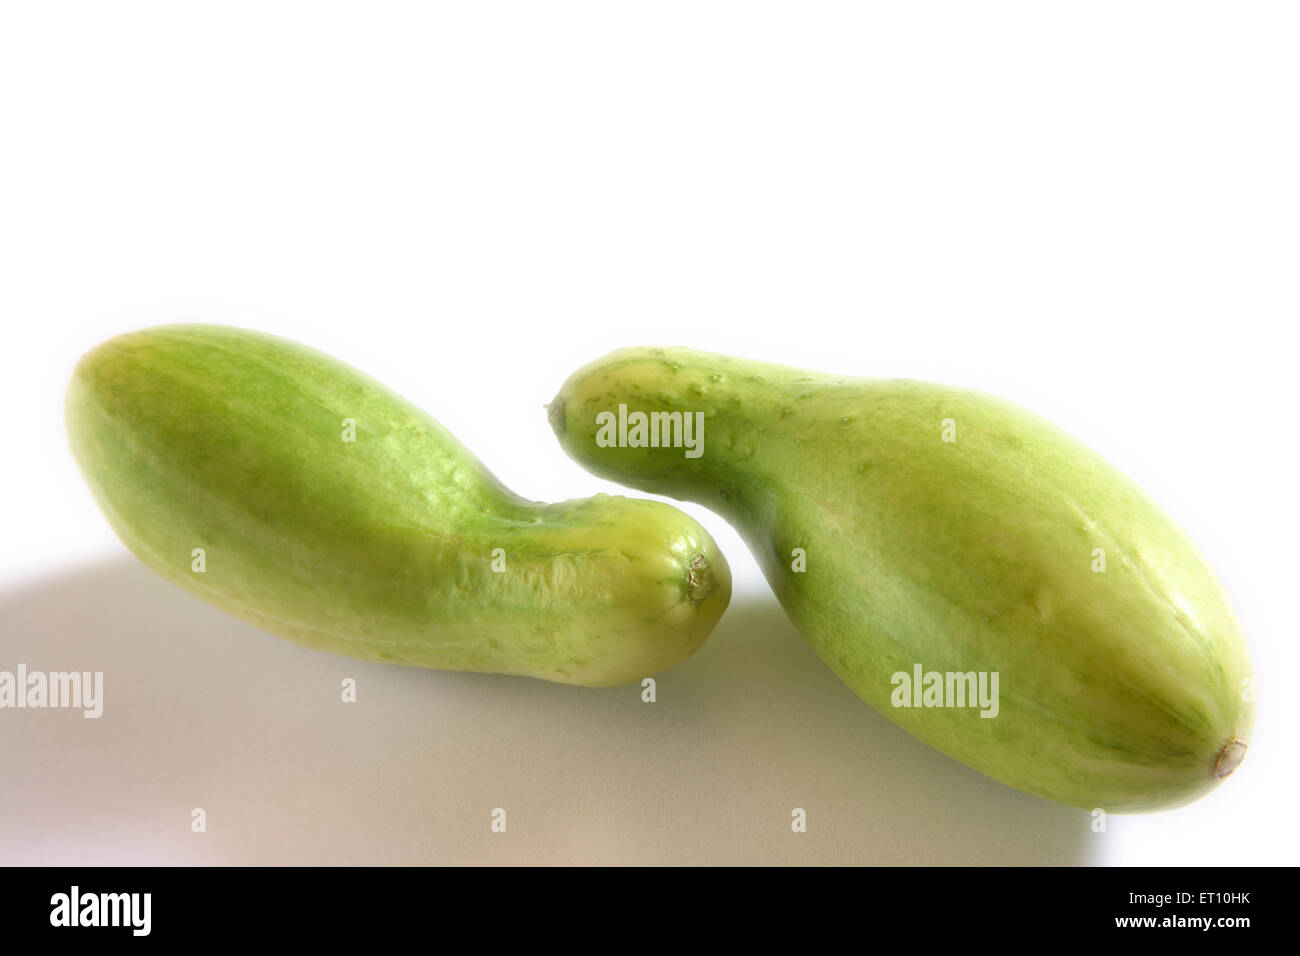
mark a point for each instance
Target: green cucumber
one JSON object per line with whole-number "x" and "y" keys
{"x": 301, "y": 496}
{"x": 916, "y": 529}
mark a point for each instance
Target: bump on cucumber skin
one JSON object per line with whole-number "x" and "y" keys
{"x": 1119, "y": 690}
{"x": 232, "y": 441}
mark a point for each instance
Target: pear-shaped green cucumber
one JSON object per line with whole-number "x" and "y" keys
{"x": 928, "y": 540}
{"x": 296, "y": 493}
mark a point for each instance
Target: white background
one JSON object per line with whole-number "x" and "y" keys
{"x": 1088, "y": 208}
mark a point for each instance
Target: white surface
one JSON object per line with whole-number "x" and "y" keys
{"x": 1089, "y": 210}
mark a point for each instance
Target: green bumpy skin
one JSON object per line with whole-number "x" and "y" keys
{"x": 382, "y": 547}
{"x": 1120, "y": 689}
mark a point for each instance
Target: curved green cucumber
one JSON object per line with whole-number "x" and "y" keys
{"x": 397, "y": 545}
{"x": 1009, "y": 548}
